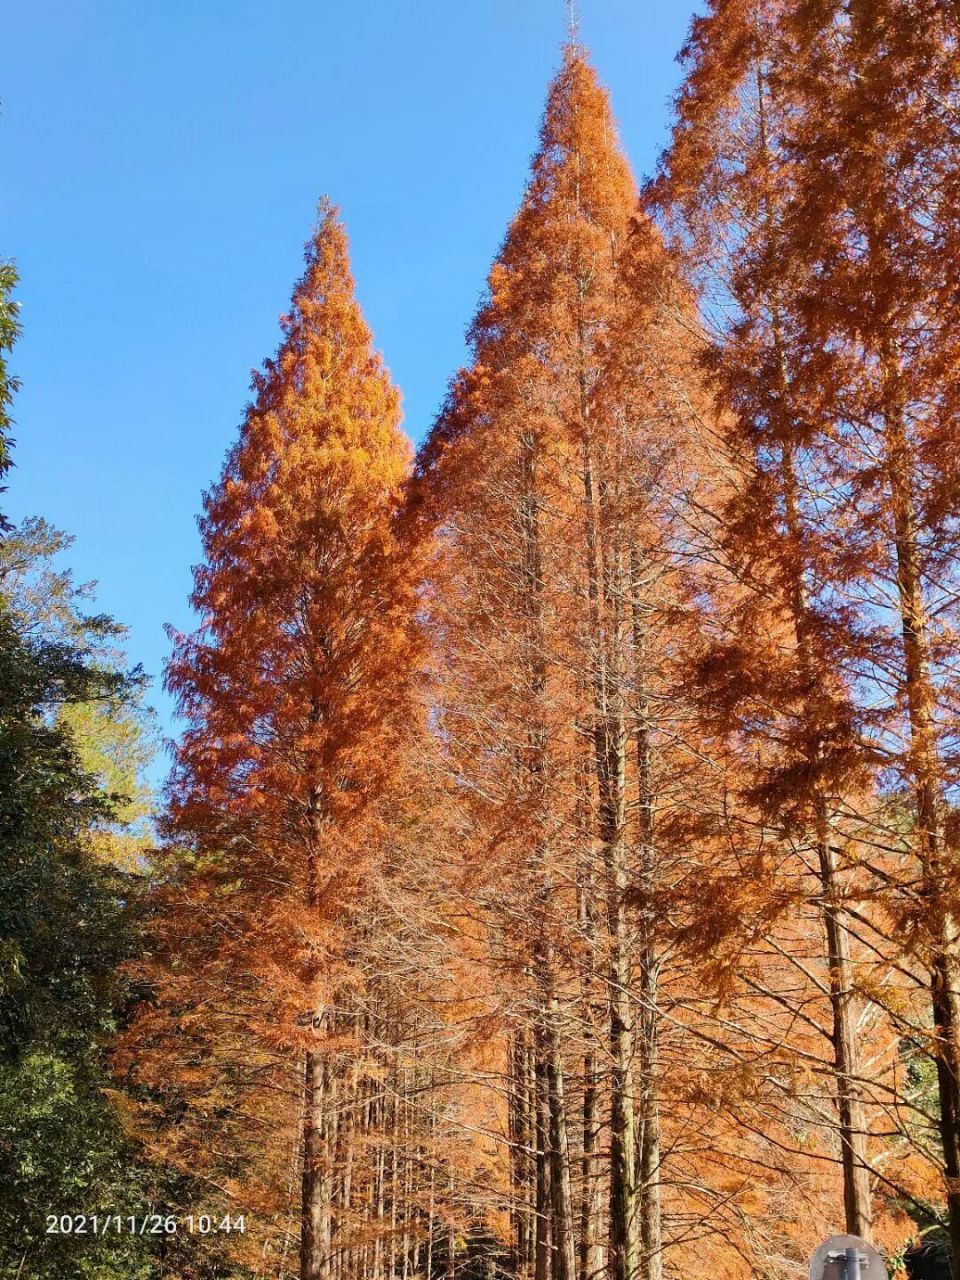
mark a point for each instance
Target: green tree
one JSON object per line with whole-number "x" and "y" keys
{"x": 116, "y": 737}
{"x": 65, "y": 929}
{"x": 9, "y": 329}
{"x": 68, "y": 748}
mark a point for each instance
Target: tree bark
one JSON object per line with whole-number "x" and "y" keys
{"x": 851, "y": 1116}
{"x": 606, "y": 593}
{"x": 564, "y": 1249}
{"x": 523, "y": 1138}
{"x": 315, "y": 1202}
{"x": 649, "y": 1179}
{"x": 940, "y": 915}
{"x": 544, "y": 1198}
{"x": 847, "y": 1067}
{"x": 315, "y": 1215}
{"x": 591, "y": 1248}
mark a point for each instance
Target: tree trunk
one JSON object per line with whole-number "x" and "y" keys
{"x": 315, "y": 1215}
{"x": 451, "y": 1237}
{"x": 544, "y": 1216}
{"x": 315, "y": 1201}
{"x": 379, "y": 1189}
{"x": 408, "y": 1176}
{"x": 851, "y": 1118}
{"x": 649, "y": 1179}
{"x": 348, "y": 1129}
{"x": 394, "y": 1176}
{"x": 651, "y": 1210}
{"x": 591, "y": 1249}
{"x": 431, "y": 1203}
{"x": 555, "y": 1249}
{"x": 522, "y": 1139}
{"x": 846, "y": 1051}
{"x": 534, "y": 1147}
{"x": 847, "y": 1068}
{"x": 330, "y": 1140}
{"x": 606, "y": 592}
{"x": 591, "y": 1257}
{"x": 623, "y": 1242}
{"x": 564, "y": 1250}
{"x": 940, "y": 917}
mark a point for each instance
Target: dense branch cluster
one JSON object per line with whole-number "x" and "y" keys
{"x": 560, "y": 874}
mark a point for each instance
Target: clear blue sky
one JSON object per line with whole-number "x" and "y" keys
{"x": 162, "y": 162}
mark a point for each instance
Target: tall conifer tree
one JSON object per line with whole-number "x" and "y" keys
{"x": 296, "y": 690}
{"x": 808, "y": 171}
{"x": 541, "y": 478}
{"x": 873, "y": 142}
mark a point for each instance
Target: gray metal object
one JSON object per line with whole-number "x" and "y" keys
{"x": 847, "y": 1258}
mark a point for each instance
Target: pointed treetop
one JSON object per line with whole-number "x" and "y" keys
{"x": 580, "y": 152}
{"x": 573, "y": 22}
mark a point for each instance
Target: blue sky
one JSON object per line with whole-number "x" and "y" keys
{"x": 162, "y": 163}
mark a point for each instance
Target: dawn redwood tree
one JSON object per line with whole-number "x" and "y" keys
{"x": 873, "y": 142}
{"x": 776, "y": 672}
{"x": 296, "y": 691}
{"x": 544, "y": 479}
{"x": 511, "y": 470}
{"x": 810, "y": 174}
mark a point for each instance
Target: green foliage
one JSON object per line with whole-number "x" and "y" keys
{"x": 74, "y": 744}
{"x": 115, "y": 734}
{"x": 43, "y": 598}
{"x": 66, "y": 926}
{"x": 928, "y": 1252}
{"x": 9, "y": 331}
{"x": 61, "y": 1149}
